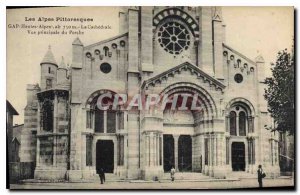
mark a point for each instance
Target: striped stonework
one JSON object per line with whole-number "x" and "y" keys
{"x": 177, "y": 13}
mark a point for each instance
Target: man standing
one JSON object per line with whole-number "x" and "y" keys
{"x": 102, "y": 175}
{"x": 260, "y": 176}
{"x": 172, "y": 174}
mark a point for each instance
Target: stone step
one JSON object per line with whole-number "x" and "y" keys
{"x": 186, "y": 176}
{"x": 241, "y": 175}
{"x": 285, "y": 177}
{"x": 108, "y": 177}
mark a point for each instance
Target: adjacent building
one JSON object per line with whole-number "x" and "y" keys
{"x": 12, "y": 141}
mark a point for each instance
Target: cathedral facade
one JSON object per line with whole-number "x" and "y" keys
{"x": 160, "y": 50}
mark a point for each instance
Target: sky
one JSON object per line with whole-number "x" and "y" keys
{"x": 252, "y": 31}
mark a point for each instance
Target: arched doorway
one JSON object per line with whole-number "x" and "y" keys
{"x": 105, "y": 156}
{"x": 238, "y": 156}
{"x": 183, "y": 117}
{"x": 185, "y": 153}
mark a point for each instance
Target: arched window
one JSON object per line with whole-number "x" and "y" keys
{"x": 239, "y": 122}
{"x": 111, "y": 121}
{"x": 242, "y": 123}
{"x": 48, "y": 83}
{"x": 105, "y": 50}
{"x": 99, "y": 120}
{"x": 47, "y": 116}
{"x": 105, "y": 121}
{"x": 232, "y": 118}
{"x": 238, "y": 63}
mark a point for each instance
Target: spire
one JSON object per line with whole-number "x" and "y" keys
{"x": 62, "y": 63}
{"x": 77, "y": 42}
{"x": 259, "y": 59}
{"x": 217, "y": 13}
{"x": 49, "y": 57}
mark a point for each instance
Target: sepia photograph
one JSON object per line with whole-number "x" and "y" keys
{"x": 150, "y": 97}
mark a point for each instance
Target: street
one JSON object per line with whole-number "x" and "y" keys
{"x": 179, "y": 184}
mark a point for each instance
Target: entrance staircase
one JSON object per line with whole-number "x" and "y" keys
{"x": 108, "y": 177}
{"x": 241, "y": 175}
{"x": 186, "y": 176}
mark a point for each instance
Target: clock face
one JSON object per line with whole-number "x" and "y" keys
{"x": 173, "y": 37}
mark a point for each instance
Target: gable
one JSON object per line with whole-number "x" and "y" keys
{"x": 197, "y": 73}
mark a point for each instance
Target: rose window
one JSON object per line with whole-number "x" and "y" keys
{"x": 173, "y": 37}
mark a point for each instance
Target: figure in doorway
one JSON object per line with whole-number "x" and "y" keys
{"x": 102, "y": 175}
{"x": 260, "y": 175}
{"x": 172, "y": 174}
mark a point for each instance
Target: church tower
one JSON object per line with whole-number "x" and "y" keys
{"x": 48, "y": 71}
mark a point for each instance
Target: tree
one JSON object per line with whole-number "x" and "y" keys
{"x": 280, "y": 93}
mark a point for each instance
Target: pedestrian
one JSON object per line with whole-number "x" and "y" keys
{"x": 102, "y": 175}
{"x": 260, "y": 176}
{"x": 172, "y": 174}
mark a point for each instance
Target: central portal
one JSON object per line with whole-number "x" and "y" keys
{"x": 105, "y": 156}
{"x": 178, "y": 153}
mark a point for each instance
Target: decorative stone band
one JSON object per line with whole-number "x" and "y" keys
{"x": 181, "y": 14}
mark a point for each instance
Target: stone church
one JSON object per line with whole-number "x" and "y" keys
{"x": 160, "y": 50}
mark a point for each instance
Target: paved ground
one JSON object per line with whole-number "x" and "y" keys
{"x": 243, "y": 183}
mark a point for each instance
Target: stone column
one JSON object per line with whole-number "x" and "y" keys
{"x": 218, "y": 165}
{"x": 253, "y": 152}
{"x": 55, "y": 103}
{"x": 194, "y": 156}
{"x": 218, "y": 150}
{"x": 105, "y": 121}
{"x": 157, "y": 149}
{"x": 249, "y": 154}
{"x": 94, "y": 153}
{"x": 227, "y": 123}
{"x": 37, "y": 138}
{"x": 55, "y": 114}
{"x": 37, "y": 152}
{"x": 227, "y": 151}
{"x": 176, "y": 151}
{"x": 161, "y": 150}
{"x": 202, "y": 144}
{"x": 125, "y": 153}
{"x": 151, "y": 154}
{"x": 250, "y": 124}
{"x": 216, "y": 156}
{"x": 146, "y": 149}
{"x": 115, "y": 154}
{"x": 54, "y": 149}
{"x": 151, "y": 149}
{"x": 210, "y": 153}
{"x": 84, "y": 149}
